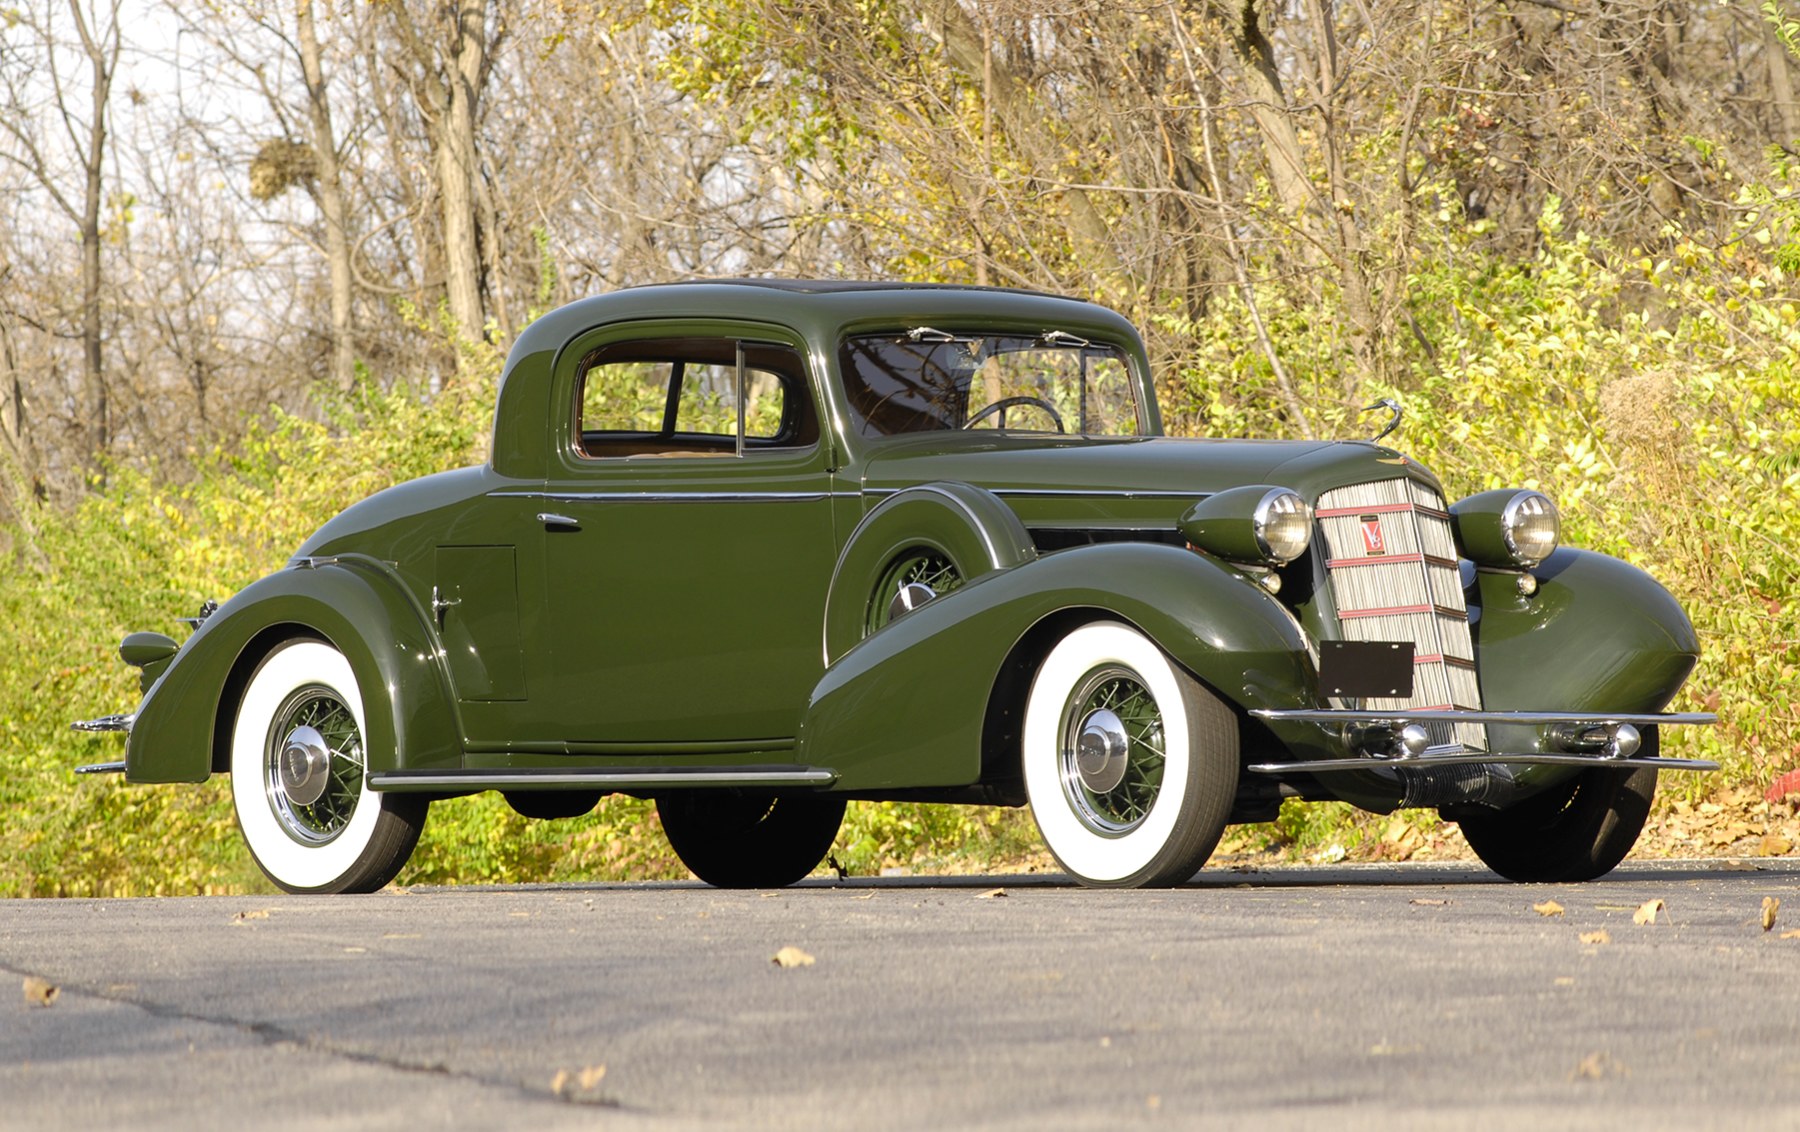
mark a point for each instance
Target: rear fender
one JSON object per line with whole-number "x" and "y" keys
{"x": 183, "y": 728}
{"x": 916, "y": 703}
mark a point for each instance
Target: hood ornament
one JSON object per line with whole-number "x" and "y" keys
{"x": 1391, "y": 406}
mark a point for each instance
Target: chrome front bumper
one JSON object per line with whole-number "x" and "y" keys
{"x": 1392, "y": 721}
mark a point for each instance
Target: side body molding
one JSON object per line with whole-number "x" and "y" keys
{"x": 183, "y": 729}
{"x": 915, "y": 704}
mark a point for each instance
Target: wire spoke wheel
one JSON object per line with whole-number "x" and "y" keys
{"x": 313, "y": 765}
{"x": 299, "y": 781}
{"x": 1112, "y": 750}
{"x": 1130, "y": 764}
{"x": 910, "y": 581}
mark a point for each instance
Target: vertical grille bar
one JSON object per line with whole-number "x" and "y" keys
{"x": 1391, "y": 561}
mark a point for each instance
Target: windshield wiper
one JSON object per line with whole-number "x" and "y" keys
{"x": 1064, "y": 338}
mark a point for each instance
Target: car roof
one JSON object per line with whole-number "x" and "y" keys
{"x": 834, "y": 286}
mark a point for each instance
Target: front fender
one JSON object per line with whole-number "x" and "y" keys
{"x": 183, "y": 728}
{"x": 1599, "y": 635}
{"x": 909, "y": 705}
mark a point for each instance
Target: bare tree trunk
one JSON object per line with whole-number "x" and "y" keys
{"x": 103, "y": 56}
{"x": 1781, "y": 83}
{"x": 448, "y": 77}
{"x": 1269, "y": 106}
{"x": 330, "y": 189}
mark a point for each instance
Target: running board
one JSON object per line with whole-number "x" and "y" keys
{"x": 603, "y": 778}
{"x": 1469, "y": 758}
{"x": 102, "y": 768}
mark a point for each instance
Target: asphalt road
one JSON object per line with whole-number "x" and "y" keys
{"x": 1373, "y": 997}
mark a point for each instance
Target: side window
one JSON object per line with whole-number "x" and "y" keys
{"x": 682, "y": 397}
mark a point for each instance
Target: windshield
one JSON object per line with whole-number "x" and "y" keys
{"x": 926, "y": 380}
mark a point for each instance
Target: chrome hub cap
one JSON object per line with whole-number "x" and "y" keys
{"x": 1100, "y": 751}
{"x": 909, "y": 597}
{"x": 305, "y": 766}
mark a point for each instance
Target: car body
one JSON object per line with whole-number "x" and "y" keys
{"x": 756, "y": 547}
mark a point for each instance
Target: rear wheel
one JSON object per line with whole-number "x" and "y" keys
{"x": 1130, "y": 764}
{"x": 299, "y": 778}
{"x": 746, "y": 841}
{"x": 1577, "y": 830}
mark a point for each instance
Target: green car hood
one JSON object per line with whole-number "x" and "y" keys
{"x": 1129, "y": 478}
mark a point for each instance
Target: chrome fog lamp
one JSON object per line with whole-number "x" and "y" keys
{"x": 1283, "y": 525}
{"x": 1257, "y": 525}
{"x": 1530, "y": 526}
{"x": 1513, "y": 528}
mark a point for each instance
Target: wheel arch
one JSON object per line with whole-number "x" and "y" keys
{"x": 183, "y": 729}
{"x": 972, "y": 526}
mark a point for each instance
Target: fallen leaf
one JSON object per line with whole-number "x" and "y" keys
{"x": 991, "y": 894}
{"x": 1771, "y": 905}
{"x": 1775, "y": 846}
{"x": 1564, "y": 981}
{"x": 40, "y": 992}
{"x": 1741, "y": 867}
{"x": 1596, "y": 938}
{"x": 1646, "y": 913}
{"x": 1427, "y": 901}
{"x": 259, "y": 914}
{"x": 1598, "y": 1066}
{"x": 792, "y": 957}
{"x": 1795, "y": 934}
{"x": 864, "y": 896}
{"x": 566, "y": 1083}
{"x": 1548, "y": 908}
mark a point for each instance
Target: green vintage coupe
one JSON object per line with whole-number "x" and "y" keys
{"x": 754, "y": 548}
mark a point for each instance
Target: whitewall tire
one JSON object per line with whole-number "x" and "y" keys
{"x": 1130, "y": 764}
{"x": 299, "y": 778}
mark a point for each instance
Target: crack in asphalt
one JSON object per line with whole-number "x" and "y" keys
{"x": 270, "y": 1034}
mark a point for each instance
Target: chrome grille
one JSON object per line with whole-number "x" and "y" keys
{"x": 1391, "y": 561}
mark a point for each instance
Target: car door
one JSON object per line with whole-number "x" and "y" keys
{"x": 687, "y": 540}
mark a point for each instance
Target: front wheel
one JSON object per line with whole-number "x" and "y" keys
{"x": 1130, "y": 764}
{"x": 746, "y": 841}
{"x": 1576, "y": 830}
{"x": 299, "y": 778}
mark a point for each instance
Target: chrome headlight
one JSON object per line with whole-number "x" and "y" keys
{"x": 1510, "y": 528}
{"x": 1530, "y": 526}
{"x": 1283, "y": 525}
{"x": 1257, "y": 525}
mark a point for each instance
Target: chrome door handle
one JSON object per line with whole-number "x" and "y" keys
{"x": 558, "y": 522}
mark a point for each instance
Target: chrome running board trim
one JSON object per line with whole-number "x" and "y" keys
{"x": 605, "y": 778}
{"x": 102, "y": 768}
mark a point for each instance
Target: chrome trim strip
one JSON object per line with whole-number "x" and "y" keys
{"x": 1475, "y": 757}
{"x": 1066, "y": 493}
{"x": 676, "y": 496}
{"x": 627, "y": 778}
{"x": 120, "y": 722}
{"x": 102, "y": 768}
{"x": 1399, "y": 717}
